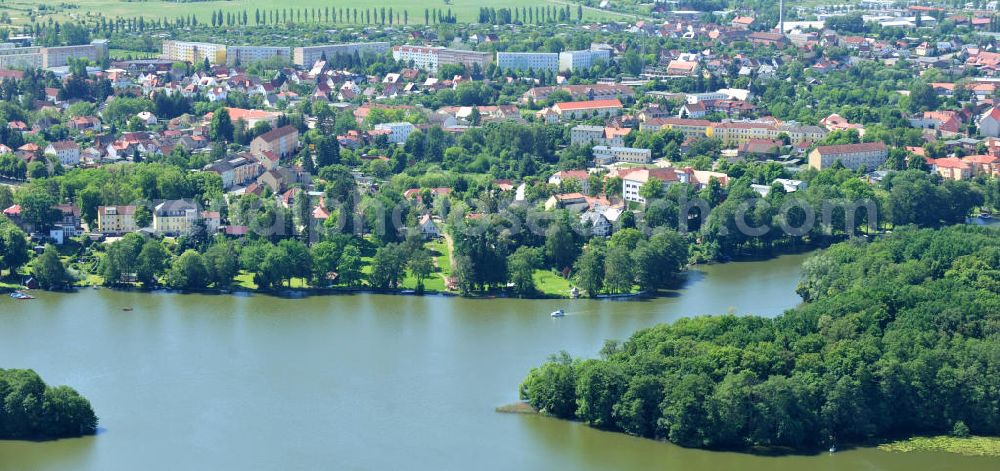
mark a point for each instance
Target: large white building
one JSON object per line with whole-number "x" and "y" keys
{"x": 193, "y": 52}
{"x": 59, "y": 56}
{"x": 308, "y": 55}
{"x": 604, "y": 155}
{"x": 398, "y": 132}
{"x": 248, "y": 54}
{"x": 430, "y": 58}
{"x": 523, "y": 61}
{"x": 582, "y": 59}
{"x": 12, "y": 57}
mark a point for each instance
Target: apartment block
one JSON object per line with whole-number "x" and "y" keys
{"x": 193, "y": 52}
{"x": 604, "y": 155}
{"x": 59, "y": 56}
{"x": 430, "y": 58}
{"x": 249, "y": 54}
{"x": 524, "y": 61}
{"x": 869, "y": 155}
{"x": 12, "y": 57}
{"x": 308, "y": 55}
{"x": 582, "y": 59}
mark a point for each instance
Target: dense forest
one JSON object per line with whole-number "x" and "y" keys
{"x": 31, "y": 410}
{"x": 897, "y": 337}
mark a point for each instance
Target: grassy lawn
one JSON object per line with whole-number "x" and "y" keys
{"x": 439, "y": 250}
{"x": 465, "y": 10}
{"x": 551, "y": 284}
{"x": 245, "y": 280}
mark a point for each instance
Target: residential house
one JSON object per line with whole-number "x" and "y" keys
{"x": 68, "y": 152}
{"x": 115, "y": 220}
{"x": 428, "y": 229}
{"x": 175, "y": 217}
{"x": 869, "y": 155}
{"x": 275, "y": 145}
{"x": 633, "y": 180}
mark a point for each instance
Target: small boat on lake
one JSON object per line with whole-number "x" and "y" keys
{"x": 559, "y": 313}
{"x": 21, "y": 295}
{"x": 127, "y": 309}
{"x": 985, "y": 216}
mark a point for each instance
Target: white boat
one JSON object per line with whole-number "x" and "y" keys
{"x": 20, "y": 295}
{"x": 559, "y": 313}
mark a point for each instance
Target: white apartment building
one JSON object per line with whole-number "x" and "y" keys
{"x": 59, "y": 56}
{"x": 596, "y": 135}
{"x": 605, "y": 155}
{"x": 423, "y": 57}
{"x": 536, "y": 61}
{"x": 249, "y": 54}
{"x": 12, "y": 57}
{"x": 399, "y": 132}
{"x": 430, "y": 58}
{"x": 582, "y": 59}
{"x": 193, "y": 52}
{"x": 308, "y": 55}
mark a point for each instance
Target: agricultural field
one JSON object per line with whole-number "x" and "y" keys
{"x": 20, "y": 11}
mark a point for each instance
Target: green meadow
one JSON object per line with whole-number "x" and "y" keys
{"x": 465, "y": 10}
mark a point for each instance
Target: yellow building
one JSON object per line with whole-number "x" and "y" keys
{"x": 193, "y": 52}
{"x": 116, "y": 219}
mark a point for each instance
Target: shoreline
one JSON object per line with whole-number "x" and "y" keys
{"x": 975, "y": 446}
{"x": 296, "y": 293}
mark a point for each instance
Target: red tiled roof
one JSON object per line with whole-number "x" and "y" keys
{"x": 587, "y": 105}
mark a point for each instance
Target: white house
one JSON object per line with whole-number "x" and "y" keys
{"x": 147, "y": 118}
{"x": 398, "y": 131}
{"x": 599, "y": 224}
{"x": 68, "y": 152}
{"x": 989, "y": 123}
{"x": 428, "y": 229}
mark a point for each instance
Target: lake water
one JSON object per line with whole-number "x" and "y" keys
{"x": 362, "y": 381}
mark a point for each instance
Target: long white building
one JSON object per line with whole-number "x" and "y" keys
{"x": 248, "y": 54}
{"x": 20, "y": 57}
{"x": 582, "y": 59}
{"x": 604, "y": 155}
{"x": 430, "y": 58}
{"x": 308, "y": 55}
{"x": 193, "y": 52}
{"x": 523, "y": 61}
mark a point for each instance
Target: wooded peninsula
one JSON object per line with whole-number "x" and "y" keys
{"x": 897, "y": 337}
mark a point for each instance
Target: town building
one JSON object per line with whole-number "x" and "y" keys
{"x": 598, "y": 135}
{"x": 398, "y": 132}
{"x": 587, "y": 109}
{"x": 12, "y": 57}
{"x": 869, "y": 155}
{"x": 633, "y": 180}
{"x": 236, "y": 171}
{"x": 308, "y": 55}
{"x": 605, "y": 155}
{"x": 582, "y": 59}
{"x": 116, "y": 219}
{"x": 193, "y": 52}
{"x": 68, "y": 152}
{"x": 175, "y": 217}
{"x": 59, "y": 56}
{"x": 275, "y": 145}
{"x": 431, "y": 58}
{"x": 249, "y": 54}
{"x": 524, "y": 61}
{"x": 989, "y": 123}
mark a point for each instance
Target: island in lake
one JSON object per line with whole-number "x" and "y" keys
{"x": 32, "y": 410}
